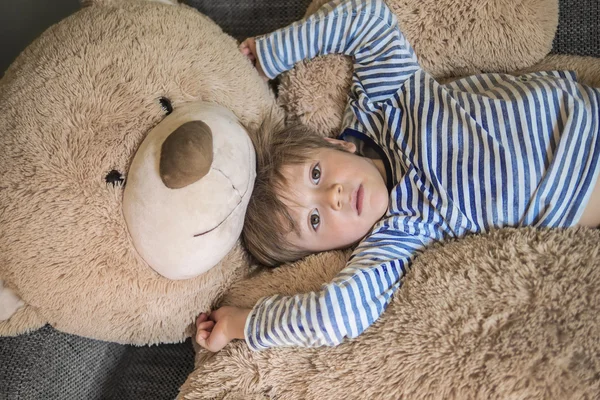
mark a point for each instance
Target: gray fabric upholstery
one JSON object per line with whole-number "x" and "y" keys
{"x": 578, "y": 31}
{"x": 47, "y": 364}
{"x": 150, "y": 372}
{"x": 247, "y": 18}
{"x": 578, "y": 28}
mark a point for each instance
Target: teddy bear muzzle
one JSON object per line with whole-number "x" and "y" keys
{"x": 186, "y": 155}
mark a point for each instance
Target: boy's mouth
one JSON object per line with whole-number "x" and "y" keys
{"x": 359, "y": 199}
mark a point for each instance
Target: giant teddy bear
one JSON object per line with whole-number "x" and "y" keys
{"x": 91, "y": 107}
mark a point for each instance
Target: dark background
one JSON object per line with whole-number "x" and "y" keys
{"x": 21, "y": 21}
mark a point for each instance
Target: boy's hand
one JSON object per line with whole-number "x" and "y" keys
{"x": 215, "y": 330}
{"x": 248, "y": 48}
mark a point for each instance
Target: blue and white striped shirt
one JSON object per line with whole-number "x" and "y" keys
{"x": 482, "y": 152}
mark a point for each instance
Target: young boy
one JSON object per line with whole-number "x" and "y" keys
{"x": 436, "y": 161}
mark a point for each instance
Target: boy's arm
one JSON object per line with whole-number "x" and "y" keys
{"x": 364, "y": 29}
{"x": 342, "y": 308}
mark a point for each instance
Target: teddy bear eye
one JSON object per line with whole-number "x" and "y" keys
{"x": 115, "y": 178}
{"x": 165, "y": 104}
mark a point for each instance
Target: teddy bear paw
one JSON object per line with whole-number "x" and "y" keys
{"x": 9, "y": 302}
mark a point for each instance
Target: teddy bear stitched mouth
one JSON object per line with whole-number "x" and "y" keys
{"x": 220, "y": 223}
{"x": 240, "y": 197}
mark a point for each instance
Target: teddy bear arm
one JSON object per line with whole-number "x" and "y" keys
{"x": 10, "y": 302}
{"x": 16, "y": 316}
{"x": 587, "y": 69}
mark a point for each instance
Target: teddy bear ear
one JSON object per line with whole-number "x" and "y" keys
{"x": 86, "y": 3}
{"x": 186, "y": 155}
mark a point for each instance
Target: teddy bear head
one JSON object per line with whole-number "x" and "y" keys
{"x": 126, "y": 148}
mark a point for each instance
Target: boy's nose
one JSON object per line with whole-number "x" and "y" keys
{"x": 334, "y": 195}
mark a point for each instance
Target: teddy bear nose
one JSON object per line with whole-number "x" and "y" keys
{"x": 186, "y": 155}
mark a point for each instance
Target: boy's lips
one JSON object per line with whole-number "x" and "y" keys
{"x": 357, "y": 199}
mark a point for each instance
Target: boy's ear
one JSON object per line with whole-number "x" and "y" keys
{"x": 346, "y": 146}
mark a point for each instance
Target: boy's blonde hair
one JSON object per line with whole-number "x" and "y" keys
{"x": 268, "y": 220}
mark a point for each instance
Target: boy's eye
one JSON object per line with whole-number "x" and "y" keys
{"x": 315, "y": 219}
{"x": 315, "y": 174}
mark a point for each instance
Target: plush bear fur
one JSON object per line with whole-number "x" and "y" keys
{"x": 586, "y": 68}
{"x": 76, "y": 105}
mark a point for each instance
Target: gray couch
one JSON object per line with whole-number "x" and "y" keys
{"x": 48, "y": 364}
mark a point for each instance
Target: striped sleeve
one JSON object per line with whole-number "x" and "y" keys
{"x": 364, "y": 29}
{"x": 343, "y": 308}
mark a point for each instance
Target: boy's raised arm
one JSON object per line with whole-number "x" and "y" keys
{"x": 364, "y": 29}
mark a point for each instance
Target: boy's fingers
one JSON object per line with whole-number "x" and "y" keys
{"x": 203, "y": 339}
{"x": 249, "y": 55}
{"x": 205, "y": 326}
{"x": 204, "y": 334}
{"x": 201, "y": 318}
{"x": 215, "y": 343}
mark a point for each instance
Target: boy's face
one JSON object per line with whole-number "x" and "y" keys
{"x": 335, "y": 198}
